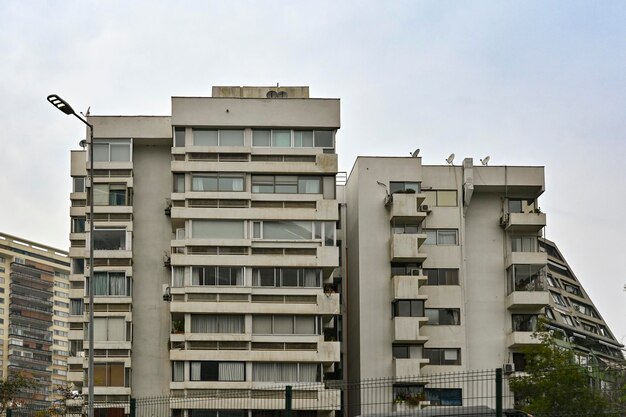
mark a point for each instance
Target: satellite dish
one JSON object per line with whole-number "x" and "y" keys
{"x": 82, "y": 143}
{"x": 485, "y": 161}
{"x": 415, "y": 153}
{"x": 450, "y": 159}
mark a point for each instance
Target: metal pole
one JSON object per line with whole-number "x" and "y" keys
{"x": 288, "y": 397}
{"x": 499, "y": 392}
{"x": 90, "y": 370}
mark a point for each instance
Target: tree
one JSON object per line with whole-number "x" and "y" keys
{"x": 13, "y": 387}
{"x": 555, "y": 385}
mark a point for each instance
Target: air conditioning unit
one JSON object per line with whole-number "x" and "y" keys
{"x": 425, "y": 208}
{"x": 167, "y": 295}
{"x": 416, "y": 271}
{"x": 508, "y": 368}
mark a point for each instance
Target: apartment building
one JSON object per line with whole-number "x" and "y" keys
{"x": 33, "y": 315}
{"x": 215, "y": 252}
{"x": 574, "y": 318}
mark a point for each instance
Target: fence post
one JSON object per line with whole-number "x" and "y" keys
{"x": 133, "y": 407}
{"x": 288, "y": 397}
{"x": 499, "y": 392}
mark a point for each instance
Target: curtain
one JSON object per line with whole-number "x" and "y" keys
{"x": 101, "y": 194}
{"x": 311, "y": 278}
{"x": 116, "y": 329}
{"x": 100, "y": 283}
{"x": 196, "y": 367}
{"x": 308, "y": 372}
{"x": 305, "y": 325}
{"x": 231, "y": 324}
{"x": 204, "y": 323}
{"x": 178, "y": 276}
{"x": 231, "y": 371}
{"x": 178, "y": 371}
{"x": 117, "y": 283}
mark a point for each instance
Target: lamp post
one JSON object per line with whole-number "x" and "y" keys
{"x": 62, "y": 105}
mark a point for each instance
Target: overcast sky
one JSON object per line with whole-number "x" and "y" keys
{"x": 527, "y": 82}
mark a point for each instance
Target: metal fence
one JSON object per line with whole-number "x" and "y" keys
{"x": 470, "y": 393}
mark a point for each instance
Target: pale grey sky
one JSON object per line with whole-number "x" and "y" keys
{"x": 527, "y": 82}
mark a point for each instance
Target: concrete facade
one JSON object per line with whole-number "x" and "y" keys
{"x": 448, "y": 271}
{"x": 221, "y": 222}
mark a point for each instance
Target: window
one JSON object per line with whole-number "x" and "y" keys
{"x": 218, "y": 182}
{"x": 179, "y": 183}
{"x": 109, "y": 239}
{"x": 110, "y": 329}
{"x": 111, "y": 195}
{"x": 584, "y": 309}
{"x": 549, "y": 313}
{"x": 78, "y": 184}
{"x": 287, "y": 277}
{"x": 524, "y": 322}
{"x": 515, "y": 206}
{"x": 217, "y": 323}
{"x": 408, "y": 308}
{"x": 406, "y": 392}
{"x": 443, "y": 316}
{"x": 217, "y": 371}
{"x": 572, "y": 289}
{"x": 526, "y": 278}
{"x": 215, "y": 137}
{"x": 402, "y": 351}
{"x": 283, "y": 138}
{"x": 404, "y": 227}
{"x": 179, "y": 136}
{"x": 519, "y": 361}
{"x": 287, "y": 184}
{"x": 285, "y": 324}
{"x": 405, "y": 269}
{"x": 178, "y": 371}
{"x": 76, "y": 306}
{"x": 444, "y": 396}
{"x": 442, "y": 276}
{"x": 295, "y": 230}
{"x": 404, "y": 187}
{"x": 558, "y": 299}
{"x": 217, "y": 275}
{"x": 568, "y": 320}
{"x": 441, "y": 198}
{"x": 178, "y": 276}
{"x": 441, "y": 236}
{"x": 442, "y": 356}
{"x": 524, "y": 243}
{"x": 78, "y": 225}
{"x": 285, "y": 372}
{"x": 78, "y": 266}
{"x": 553, "y": 282}
{"x": 217, "y": 229}
{"x": 111, "y": 284}
{"x": 112, "y": 150}
{"x": 108, "y": 374}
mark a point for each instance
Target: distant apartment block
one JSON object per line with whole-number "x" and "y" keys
{"x": 33, "y": 315}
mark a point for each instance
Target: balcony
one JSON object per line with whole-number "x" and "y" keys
{"x": 527, "y": 300}
{"x": 519, "y": 339}
{"x": 523, "y": 222}
{"x": 403, "y": 368}
{"x": 405, "y": 248}
{"x": 406, "y": 206}
{"x": 407, "y": 287}
{"x": 407, "y": 329}
{"x": 530, "y": 258}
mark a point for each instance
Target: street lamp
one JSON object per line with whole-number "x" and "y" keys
{"x": 62, "y": 105}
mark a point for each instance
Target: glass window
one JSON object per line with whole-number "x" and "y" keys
{"x": 444, "y": 396}
{"x": 400, "y": 351}
{"x": 309, "y": 185}
{"x": 217, "y": 229}
{"x": 524, "y": 322}
{"x": 431, "y": 237}
{"x": 231, "y": 137}
{"x": 179, "y": 183}
{"x": 408, "y": 308}
{"x": 515, "y": 206}
{"x": 120, "y": 152}
{"x": 281, "y": 138}
{"x": 261, "y": 137}
{"x": 287, "y": 230}
{"x": 110, "y": 239}
{"x": 179, "y": 136}
{"x": 101, "y": 194}
{"x": 324, "y": 139}
{"x": 217, "y": 182}
{"x": 404, "y": 187}
{"x": 446, "y": 237}
{"x": 79, "y": 184}
{"x": 443, "y": 316}
{"x": 205, "y": 137}
{"x": 431, "y": 198}
{"x": 303, "y": 139}
{"x": 286, "y": 184}
{"x": 78, "y": 224}
{"x": 101, "y": 152}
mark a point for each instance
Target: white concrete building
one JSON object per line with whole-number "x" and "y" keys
{"x": 448, "y": 270}
{"x": 215, "y": 248}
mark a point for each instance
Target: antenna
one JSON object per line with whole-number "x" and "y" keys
{"x": 415, "y": 153}
{"x": 485, "y": 161}
{"x": 450, "y": 159}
